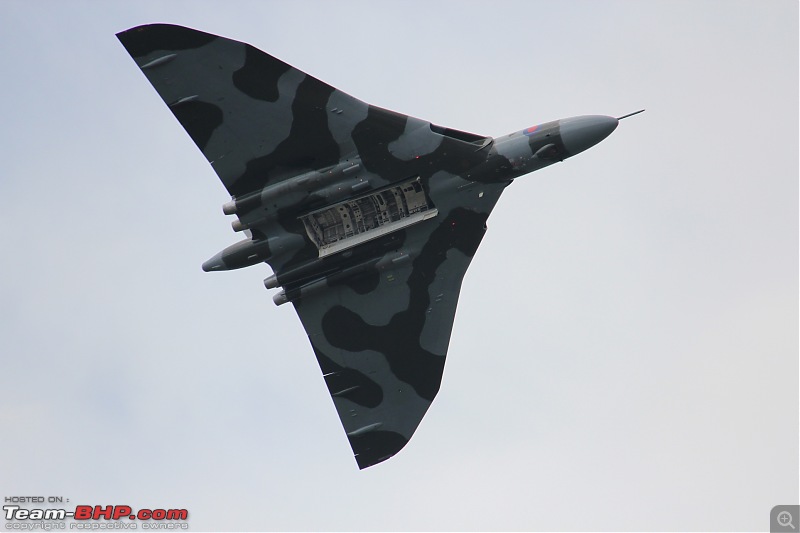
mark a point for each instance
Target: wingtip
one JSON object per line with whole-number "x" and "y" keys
{"x": 142, "y": 40}
{"x": 375, "y": 446}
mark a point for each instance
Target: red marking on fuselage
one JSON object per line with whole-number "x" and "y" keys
{"x": 530, "y": 131}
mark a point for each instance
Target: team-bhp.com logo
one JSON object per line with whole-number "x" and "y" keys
{"x": 87, "y": 517}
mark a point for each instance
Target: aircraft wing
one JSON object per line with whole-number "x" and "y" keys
{"x": 256, "y": 119}
{"x": 381, "y": 339}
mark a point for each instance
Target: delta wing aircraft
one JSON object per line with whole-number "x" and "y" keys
{"x": 368, "y": 218}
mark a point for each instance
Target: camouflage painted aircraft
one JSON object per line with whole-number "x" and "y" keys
{"x": 368, "y": 218}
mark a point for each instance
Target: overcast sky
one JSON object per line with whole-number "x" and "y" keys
{"x": 625, "y": 353}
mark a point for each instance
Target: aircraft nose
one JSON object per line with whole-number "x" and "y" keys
{"x": 580, "y": 133}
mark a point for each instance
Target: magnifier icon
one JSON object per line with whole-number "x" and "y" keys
{"x": 785, "y": 519}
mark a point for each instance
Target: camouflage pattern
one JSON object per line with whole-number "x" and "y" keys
{"x": 378, "y": 313}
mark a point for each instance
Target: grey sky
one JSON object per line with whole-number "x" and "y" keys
{"x": 625, "y": 353}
